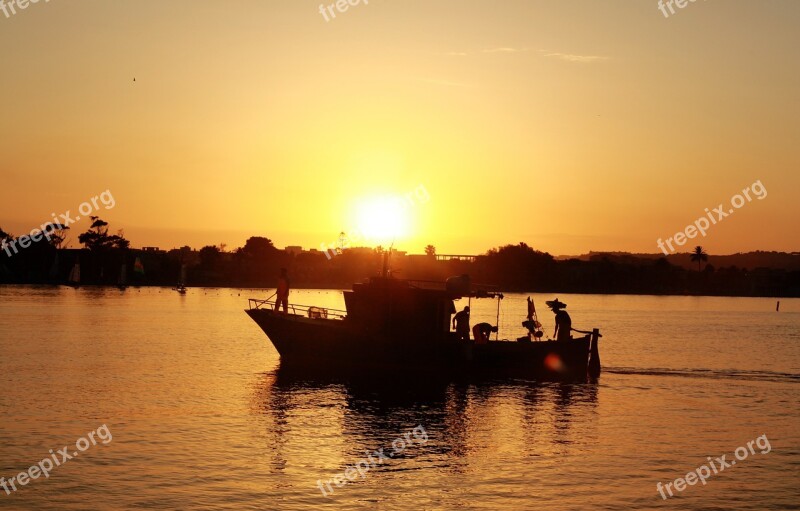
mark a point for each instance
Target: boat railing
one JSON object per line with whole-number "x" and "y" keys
{"x": 311, "y": 311}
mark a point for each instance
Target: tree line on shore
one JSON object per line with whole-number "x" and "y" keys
{"x": 107, "y": 259}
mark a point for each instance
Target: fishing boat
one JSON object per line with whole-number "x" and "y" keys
{"x": 401, "y": 324}
{"x": 74, "y": 278}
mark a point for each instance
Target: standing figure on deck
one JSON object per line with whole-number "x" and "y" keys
{"x": 283, "y": 291}
{"x": 563, "y": 321}
{"x": 461, "y": 324}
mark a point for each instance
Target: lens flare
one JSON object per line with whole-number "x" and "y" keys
{"x": 553, "y": 363}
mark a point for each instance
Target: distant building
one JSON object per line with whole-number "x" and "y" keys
{"x": 151, "y": 249}
{"x": 455, "y": 257}
{"x": 293, "y": 249}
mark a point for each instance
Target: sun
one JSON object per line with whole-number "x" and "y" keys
{"x": 383, "y": 219}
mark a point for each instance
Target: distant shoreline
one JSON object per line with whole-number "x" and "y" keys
{"x": 339, "y": 288}
{"x": 512, "y": 268}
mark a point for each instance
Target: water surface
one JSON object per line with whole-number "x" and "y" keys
{"x": 203, "y": 417}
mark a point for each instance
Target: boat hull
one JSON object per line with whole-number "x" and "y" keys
{"x": 334, "y": 343}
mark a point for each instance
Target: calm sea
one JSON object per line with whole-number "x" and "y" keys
{"x": 199, "y": 415}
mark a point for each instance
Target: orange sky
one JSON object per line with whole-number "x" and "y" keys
{"x": 570, "y": 125}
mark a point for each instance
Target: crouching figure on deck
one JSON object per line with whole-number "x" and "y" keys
{"x": 482, "y": 331}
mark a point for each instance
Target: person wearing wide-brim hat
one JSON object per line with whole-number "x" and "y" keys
{"x": 563, "y": 321}
{"x": 556, "y": 305}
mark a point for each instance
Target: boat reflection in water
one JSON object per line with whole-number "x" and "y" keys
{"x": 404, "y": 326}
{"x": 319, "y": 424}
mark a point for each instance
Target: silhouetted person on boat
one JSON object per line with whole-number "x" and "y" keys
{"x": 482, "y": 331}
{"x": 563, "y": 321}
{"x": 283, "y": 292}
{"x": 461, "y": 324}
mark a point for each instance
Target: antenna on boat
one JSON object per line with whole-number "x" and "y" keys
{"x": 386, "y": 271}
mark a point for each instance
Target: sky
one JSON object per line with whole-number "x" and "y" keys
{"x": 572, "y": 126}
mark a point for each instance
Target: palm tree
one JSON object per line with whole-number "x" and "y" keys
{"x": 699, "y": 256}
{"x": 430, "y": 250}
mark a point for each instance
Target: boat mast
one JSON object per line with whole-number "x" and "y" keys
{"x": 497, "y": 321}
{"x": 386, "y": 270}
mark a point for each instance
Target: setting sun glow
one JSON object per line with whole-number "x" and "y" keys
{"x": 383, "y": 219}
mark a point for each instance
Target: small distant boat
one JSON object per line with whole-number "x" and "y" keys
{"x": 405, "y": 325}
{"x": 181, "y": 287}
{"x": 74, "y": 279}
{"x": 122, "y": 281}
